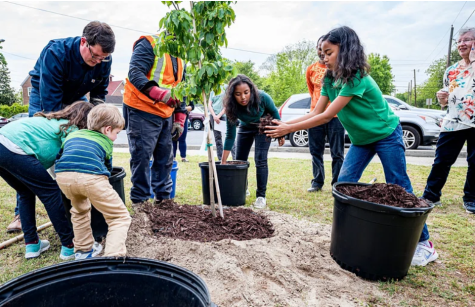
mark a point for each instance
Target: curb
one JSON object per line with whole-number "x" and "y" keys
{"x": 409, "y": 152}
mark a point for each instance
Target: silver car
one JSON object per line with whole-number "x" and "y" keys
{"x": 419, "y": 127}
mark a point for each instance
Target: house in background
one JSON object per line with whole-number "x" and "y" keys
{"x": 115, "y": 91}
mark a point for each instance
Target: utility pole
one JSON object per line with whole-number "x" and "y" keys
{"x": 450, "y": 46}
{"x": 415, "y": 90}
{"x": 409, "y": 96}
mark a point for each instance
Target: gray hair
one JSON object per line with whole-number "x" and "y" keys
{"x": 467, "y": 30}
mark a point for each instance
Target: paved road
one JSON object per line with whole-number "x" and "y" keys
{"x": 194, "y": 138}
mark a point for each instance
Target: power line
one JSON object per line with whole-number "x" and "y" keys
{"x": 447, "y": 30}
{"x": 17, "y": 55}
{"x": 465, "y": 22}
{"x": 116, "y": 26}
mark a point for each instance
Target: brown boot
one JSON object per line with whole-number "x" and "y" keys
{"x": 15, "y": 225}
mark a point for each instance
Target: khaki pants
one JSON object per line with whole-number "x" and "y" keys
{"x": 82, "y": 189}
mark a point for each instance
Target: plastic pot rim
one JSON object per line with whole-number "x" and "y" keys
{"x": 380, "y": 208}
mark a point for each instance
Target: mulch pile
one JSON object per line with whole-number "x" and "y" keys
{"x": 265, "y": 121}
{"x": 383, "y": 193}
{"x": 235, "y": 162}
{"x": 195, "y": 223}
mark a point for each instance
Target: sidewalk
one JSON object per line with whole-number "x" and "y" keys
{"x": 302, "y": 153}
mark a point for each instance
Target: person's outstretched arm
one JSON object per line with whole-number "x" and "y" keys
{"x": 307, "y": 121}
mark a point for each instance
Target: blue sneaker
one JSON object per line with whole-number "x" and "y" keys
{"x": 67, "y": 253}
{"x": 469, "y": 207}
{"x": 96, "y": 249}
{"x": 34, "y": 250}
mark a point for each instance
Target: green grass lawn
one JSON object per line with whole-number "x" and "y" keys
{"x": 449, "y": 282}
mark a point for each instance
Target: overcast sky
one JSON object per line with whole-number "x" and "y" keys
{"x": 411, "y": 34}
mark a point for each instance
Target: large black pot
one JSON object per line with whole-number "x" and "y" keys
{"x": 107, "y": 282}
{"x": 372, "y": 240}
{"x": 232, "y": 180}
{"x": 98, "y": 223}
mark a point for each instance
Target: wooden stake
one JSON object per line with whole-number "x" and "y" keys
{"x": 211, "y": 162}
{"x": 20, "y": 237}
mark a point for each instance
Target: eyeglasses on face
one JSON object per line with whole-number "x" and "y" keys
{"x": 466, "y": 40}
{"x": 98, "y": 58}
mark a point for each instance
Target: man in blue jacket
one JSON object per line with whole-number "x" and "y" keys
{"x": 68, "y": 69}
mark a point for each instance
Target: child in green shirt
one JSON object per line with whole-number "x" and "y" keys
{"x": 371, "y": 125}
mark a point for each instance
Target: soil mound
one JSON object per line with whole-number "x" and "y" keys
{"x": 383, "y": 193}
{"x": 195, "y": 223}
{"x": 291, "y": 268}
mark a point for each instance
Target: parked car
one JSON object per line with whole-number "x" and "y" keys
{"x": 401, "y": 105}
{"x": 3, "y": 121}
{"x": 17, "y": 117}
{"x": 196, "y": 118}
{"x": 419, "y": 127}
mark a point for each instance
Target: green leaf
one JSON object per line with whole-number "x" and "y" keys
{"x": 209, "y": 38}
{"x": 221, "y": 13}
{"x": 201, "y": 72}
{"x": 209, "y": 70}
{"x": 228, "y": 68}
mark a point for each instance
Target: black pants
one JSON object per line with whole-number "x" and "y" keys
{"x": 245, "y": 137}
{"x": 149, "y": 137}
{"x": 334, "y": 131}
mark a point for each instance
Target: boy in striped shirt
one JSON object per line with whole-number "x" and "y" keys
{"x": 82, "y": 172}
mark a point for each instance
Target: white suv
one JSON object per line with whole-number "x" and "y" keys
{"x": 420, "y": 127}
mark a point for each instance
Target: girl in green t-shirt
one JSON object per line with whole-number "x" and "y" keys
{"x": 371, "y": 125}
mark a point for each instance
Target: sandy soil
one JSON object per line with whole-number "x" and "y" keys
{"x": 293, "y": 268}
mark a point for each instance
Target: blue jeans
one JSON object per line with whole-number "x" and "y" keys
{"x": 390, "y": 151}
{"x": 245, "y": 137}
{"x": 149, "y": 136}
{"x": 29, "y": 178}
{"x": 33, "y": 107}
{"x": 181, "y": 142}
{"x": 334, "y": 131}
{"x": 449, "y": 146}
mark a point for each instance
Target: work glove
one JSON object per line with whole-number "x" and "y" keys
{"x": 163, "y": 95}
{"x": 97, "y": 101}
{"x": 178, "y": 125}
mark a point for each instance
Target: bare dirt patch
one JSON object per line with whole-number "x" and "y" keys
{"x": 291, "y": 268}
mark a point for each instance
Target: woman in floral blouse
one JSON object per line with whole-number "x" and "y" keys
{"x": 458, "y": 126}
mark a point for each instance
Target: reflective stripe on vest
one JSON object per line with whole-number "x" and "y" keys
{"x": 161, "y": 72}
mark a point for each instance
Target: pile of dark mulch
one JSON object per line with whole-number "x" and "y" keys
{"x": 383, "y": 193}
{"x": 265, "y": 121}
{"x": 195, "y": 223}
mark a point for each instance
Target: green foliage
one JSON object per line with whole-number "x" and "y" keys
{"x": 287, "y": 71}
{"x": 431, "y": 86}
{"x": 381, "y": 72}
{"x": 196, "y": 37}
{"x": 247, "y": 68}
{"x": 9, "y": 111}
{"x": 7, "y": 94}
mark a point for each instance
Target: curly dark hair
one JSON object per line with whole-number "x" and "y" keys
{"x": 351, "y": 57}
{"x": 230, "y": 102}
{"x": 76, "y": 114}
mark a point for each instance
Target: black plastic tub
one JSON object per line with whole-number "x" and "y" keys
{"x": 98, "y": 223}
{"x": 374, "y": 241}
{"x": 232, "y": 183}
{"x": 107, "y": 282}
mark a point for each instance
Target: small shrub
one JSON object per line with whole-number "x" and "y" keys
{"x": 9, "y": 111}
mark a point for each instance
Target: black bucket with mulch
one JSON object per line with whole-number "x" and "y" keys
{"x": 100, "y": 282}
{"x": 371, "y": 238}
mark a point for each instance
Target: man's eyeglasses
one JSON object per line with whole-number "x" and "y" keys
{"x": 98, "y": 58}
{"x": 465, "y": 41}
